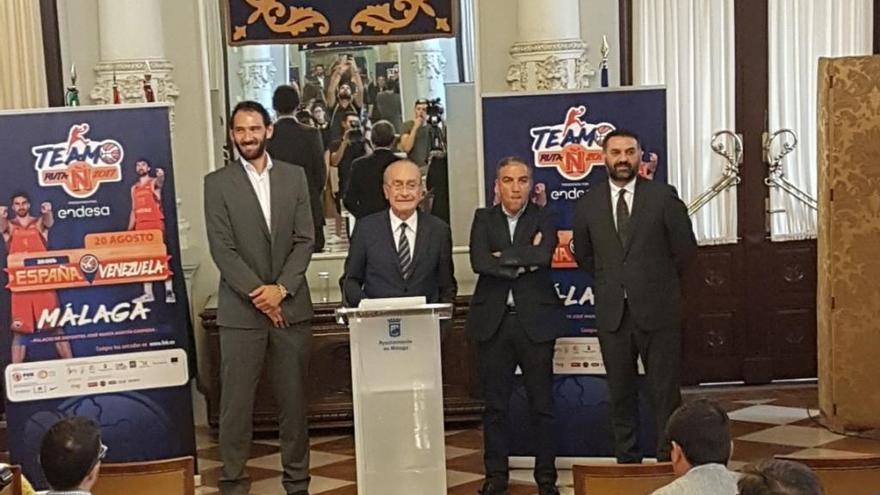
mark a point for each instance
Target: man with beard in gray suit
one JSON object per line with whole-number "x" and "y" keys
{"x": 261, "y": 237}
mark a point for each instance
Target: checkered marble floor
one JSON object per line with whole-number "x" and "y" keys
{"x": 766, "y": 421}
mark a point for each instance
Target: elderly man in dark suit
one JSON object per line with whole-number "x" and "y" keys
{"x": 260, "y": 234}
{"x": 515, "y": 317}
{"x": 300, "y": 144}
{"x": 365, "y": 195}
{"x": 400, "y": 251}
{"x": 634, "y": 237}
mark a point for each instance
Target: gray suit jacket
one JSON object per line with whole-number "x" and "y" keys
{"x": 247, "y": 253}
{"x": 647, "y": 269}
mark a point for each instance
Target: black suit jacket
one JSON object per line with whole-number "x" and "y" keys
{"x": 364, "y": 195}
{"x": 537, "y": 304}
{"x": 661, "y": 243}
{"x": 301, "y": 145}
{"x": 373, "y": 271}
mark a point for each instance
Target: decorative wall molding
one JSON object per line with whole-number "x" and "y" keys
{"x": 130, "y": 81}
{"x": 429, "y": 64}
{"x": 527, "y": 48}
{"x": 549, "y": 65}
{"x": 257, "y": 78}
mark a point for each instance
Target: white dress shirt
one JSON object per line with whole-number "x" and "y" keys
{"x": 412, "y": 223}
{"x": 615, "y": 191}
{"x": 260, "y": 183}
{"x": 707, "y": 479}
{"x": 512, "y": 220}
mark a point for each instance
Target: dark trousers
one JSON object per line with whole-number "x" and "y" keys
{"x": 242, "y": 354}
{"x": 661, "y": 356}
{"x": 499, "y": 357}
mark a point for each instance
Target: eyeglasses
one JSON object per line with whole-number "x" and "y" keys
{"x": 409, "y": 187}
{"x": 102, "y": 453}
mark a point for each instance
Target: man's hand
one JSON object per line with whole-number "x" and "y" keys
{"x": 3, "y": 211}
{"x": 45, "y": 207}
{"x": 536, "y": 241}
{"x": 267, "y": 298}
{"x": 277, "y": 317}
{"x": 160, "y": 172}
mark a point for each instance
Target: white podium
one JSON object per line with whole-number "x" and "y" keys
{"x": 397, "y": 392}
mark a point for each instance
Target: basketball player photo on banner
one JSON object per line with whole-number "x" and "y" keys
{"x": 94, "y": 318}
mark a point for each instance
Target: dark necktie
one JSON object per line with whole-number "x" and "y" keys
{"x": 622, "y": 217}
{"x": 403, "y": 253}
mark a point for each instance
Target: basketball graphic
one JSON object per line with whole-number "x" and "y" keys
{"x": 110, "y": 153}
{"x": 78, "y": 165}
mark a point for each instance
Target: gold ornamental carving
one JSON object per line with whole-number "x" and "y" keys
{"x": 380, "y": 18}
{"x": 281, "y": 19}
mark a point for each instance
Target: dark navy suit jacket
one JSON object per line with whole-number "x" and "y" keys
{"x": 372, "y": 269}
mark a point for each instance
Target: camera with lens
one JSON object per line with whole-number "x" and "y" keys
{"x": 434, "y": 112}
{"x": 355, "y": 133}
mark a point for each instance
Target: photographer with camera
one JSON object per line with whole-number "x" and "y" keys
{"x": 345, "y": 93}
{"x": 424, "y": 141}
{"x": 414, "y": 138}
{"x": 346, "y": 150}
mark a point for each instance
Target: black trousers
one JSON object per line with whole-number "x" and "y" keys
{"x": 661, "y": 356}
{"x": 499, "y": 357}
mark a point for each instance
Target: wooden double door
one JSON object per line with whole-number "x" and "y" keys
{"x": 750, "y": 308}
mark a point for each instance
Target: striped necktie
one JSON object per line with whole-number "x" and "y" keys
{"x": 404, "y": 257}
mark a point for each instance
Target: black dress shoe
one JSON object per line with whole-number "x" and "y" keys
{"x": 547, "y": 489}
{"x": 492, "y": 488}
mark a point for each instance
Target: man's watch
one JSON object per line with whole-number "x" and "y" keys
{"x": 283, "y": 291}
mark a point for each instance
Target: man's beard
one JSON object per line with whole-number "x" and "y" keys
{"x": 21, "y": 213}
{"x": 142, "y": 172}
{"x": 261, "y": 148}
{"x": 620, "y": 174}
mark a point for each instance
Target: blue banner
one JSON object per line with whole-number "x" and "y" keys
{"x": 560, "y": 135}
{"x": 326, "y": 21}
{"x": 93, "y": 296}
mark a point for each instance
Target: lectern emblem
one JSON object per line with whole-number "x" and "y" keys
{"x": 394, "y": 327}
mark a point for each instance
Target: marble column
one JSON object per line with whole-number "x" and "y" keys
{"x": 549, "y": 53}
{"x": 132, "y": 52}
{"x": 429, "y": 66}
{"x": 256, "y": 72}
{"x": 132, "y": 47}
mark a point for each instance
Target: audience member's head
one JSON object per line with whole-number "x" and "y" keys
{"x": 700, "y": 434}
{"x": 421, "y": 109}
{"x": 778, "y": 477}
{"x": 71, "y": 453}
{"x": 382, "y": 135}
{"x": 319, "y": 111}
{"x": 285, "y": 101}
{"x": 392, "y": 86}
